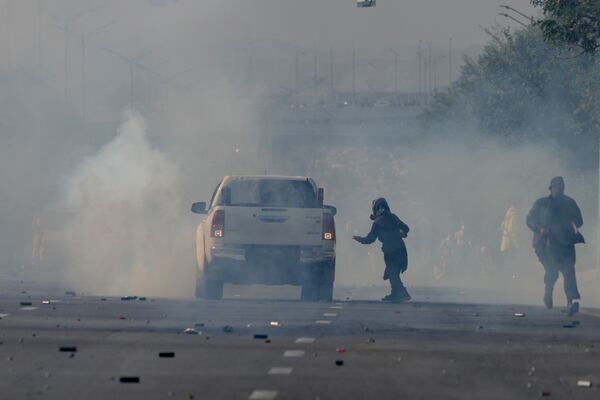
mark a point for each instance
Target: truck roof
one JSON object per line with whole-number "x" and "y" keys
{"x": 273, "y": 177}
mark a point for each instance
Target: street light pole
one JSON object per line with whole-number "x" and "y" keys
{"x": 85, "y": 38}
{"x": 514, "y": 19}
{"x": 449, "y": 62}
{"x": 353, "y": 77}
{"x": 530, "y": 18}
{"x": 39, "y": 33}
{"x": 420, "y": 67}
{"x": 331, "y": 78}
{"x": 395, "y": 74}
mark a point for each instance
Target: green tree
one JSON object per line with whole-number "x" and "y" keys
{"x": 520, "y": 89}
{"x": 575, "y": 23}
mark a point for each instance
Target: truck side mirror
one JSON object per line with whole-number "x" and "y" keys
{"x": 199, "y": 208}
{"x": 320, "y": 197}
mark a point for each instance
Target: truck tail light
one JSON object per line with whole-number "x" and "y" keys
{"x": 328, "y": 227}
{"x": 217, "y": 228}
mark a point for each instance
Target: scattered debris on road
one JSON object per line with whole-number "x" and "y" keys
{"x": 371, "y": 340}
{"x": 583, "y": 383}
{"x": 260, "y": 336}
{"x": 129, "y": 379}
{"x": 166, "y": 354}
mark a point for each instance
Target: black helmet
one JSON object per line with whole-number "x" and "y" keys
{"x": 380, "y": 206}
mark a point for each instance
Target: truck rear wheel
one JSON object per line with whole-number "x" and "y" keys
{"x": 207, "y": 288}
{"x": 318, "y": 285}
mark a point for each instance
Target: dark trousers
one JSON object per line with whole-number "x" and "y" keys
{"x": 395, "y": 263}
{"x": 558, "y": 258}
{"x": 569, "y": 278}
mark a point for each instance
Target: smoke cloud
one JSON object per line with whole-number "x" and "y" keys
{"x": 128, "y": 232}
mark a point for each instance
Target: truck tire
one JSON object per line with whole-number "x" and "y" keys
{"x": 207, "y": 288}
{"x": 309, "y": 291}
{"x": 318, "y": 285}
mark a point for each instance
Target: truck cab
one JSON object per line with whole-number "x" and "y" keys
{"x": 266, "y": 230}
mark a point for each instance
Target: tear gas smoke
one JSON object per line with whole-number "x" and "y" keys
{"x": 128, "y": 233}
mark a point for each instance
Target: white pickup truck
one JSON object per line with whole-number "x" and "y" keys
{"x": 266, "y": 230}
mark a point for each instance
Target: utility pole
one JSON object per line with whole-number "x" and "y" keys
{"x": 353, "y": 77}
{"x": 420, "y": 66}
{"x": 39, "y": 34}
{"x": 251, "y": 64}
{"x": 297, "y": 79}
{"x": 331, "y": 80}
{"x": 450, "y": 62}
{"x": 395, "y": 75}
{"x": 67, "y": 27}
{"x": 315, "y": 81}
{"x": 85, "y": 38}
{"x": 132, "y": 63}
{"x": 429, "y": 72}
{"x": 8, "y": 23}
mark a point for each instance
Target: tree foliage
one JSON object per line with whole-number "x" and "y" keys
{"x": 575, "y": 23}
{"x": 520, "y": 89}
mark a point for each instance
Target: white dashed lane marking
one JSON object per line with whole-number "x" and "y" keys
{"x": 263, "y": 395}
{"x": 307, "y": 340}
{"x": 28, "y": 308}
{"x": 336, "y": 307}
{"x": 330, "y": 314}
{"x": 281, "y": 370}
{"x": 323, "y": 322}
{"x": 4, "y": 315}
{"x": 294, "y": 353}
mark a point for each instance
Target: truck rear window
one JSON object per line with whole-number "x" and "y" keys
{"x": 271, "y": 193}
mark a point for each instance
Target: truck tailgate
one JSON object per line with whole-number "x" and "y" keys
{"x": 273, "y": 226}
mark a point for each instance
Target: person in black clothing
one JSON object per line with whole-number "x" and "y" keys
{"x": 555, "y": 221}
{"x": 390, "y": 231}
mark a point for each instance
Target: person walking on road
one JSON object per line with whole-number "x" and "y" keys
{"x": 390, "y": 231}
{"x": 555, "y": 221}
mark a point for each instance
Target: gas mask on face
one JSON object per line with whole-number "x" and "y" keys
{"x": 380, "y": 206}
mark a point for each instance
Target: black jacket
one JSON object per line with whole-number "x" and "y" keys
{"x": 390, "y": 230}
{"x": 557, "y": 216}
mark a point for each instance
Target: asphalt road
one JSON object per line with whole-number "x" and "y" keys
{"x": 428, "y": 349}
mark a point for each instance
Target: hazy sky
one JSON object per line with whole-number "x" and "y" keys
{"x": 399, "y": 22}
{"x": 216, "y": 37}
{"x": 337, "y": 23}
